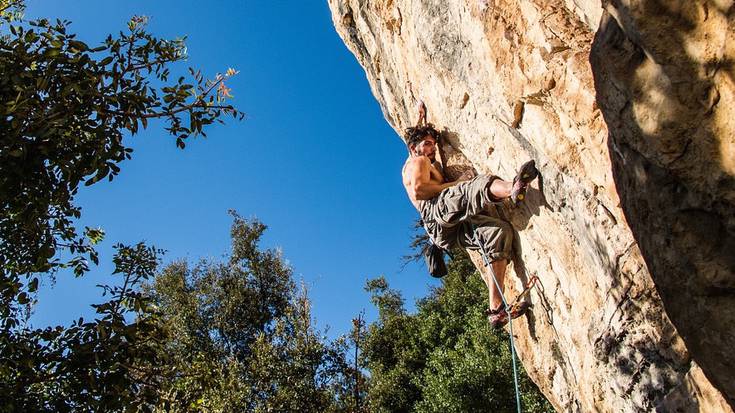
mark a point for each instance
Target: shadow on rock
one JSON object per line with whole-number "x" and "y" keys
{"x": 667, "y": 163}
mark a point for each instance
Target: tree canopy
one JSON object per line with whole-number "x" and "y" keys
{"x": 66, "y": 109}
{"x": 233, "y": 336}
{"x": 445, "y": 357}
{"x": 241, "y": 336}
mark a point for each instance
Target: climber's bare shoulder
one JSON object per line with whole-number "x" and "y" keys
{"x": 418, "y": 170}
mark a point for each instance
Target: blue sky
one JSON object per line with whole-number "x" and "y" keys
{"x": 314, "y": 160}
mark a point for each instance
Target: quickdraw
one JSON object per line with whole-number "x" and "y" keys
{"x": 531, "y": 283}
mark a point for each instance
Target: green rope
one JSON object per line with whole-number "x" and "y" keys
{"x": 510, "y": 320}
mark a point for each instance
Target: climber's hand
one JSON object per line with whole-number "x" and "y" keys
{"x": 422, "y": 113}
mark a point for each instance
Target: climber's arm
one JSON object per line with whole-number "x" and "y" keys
{"x": 421, "y": 186}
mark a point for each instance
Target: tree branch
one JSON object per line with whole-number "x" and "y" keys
{"x": 194, "y": 105}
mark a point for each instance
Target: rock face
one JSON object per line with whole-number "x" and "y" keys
{"x": 627, "y": 108}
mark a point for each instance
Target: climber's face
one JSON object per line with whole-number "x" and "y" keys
{"x": 426, "y": 147}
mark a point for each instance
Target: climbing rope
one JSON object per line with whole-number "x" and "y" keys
{"x": 507, "y": 310}
{"x": 506, "y": 306}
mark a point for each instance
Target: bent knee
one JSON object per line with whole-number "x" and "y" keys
{"x": 506, "y": 229}
{"x": 499, "y": 231}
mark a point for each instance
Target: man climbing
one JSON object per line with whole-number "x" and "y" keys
{"x": 453, "y": 213}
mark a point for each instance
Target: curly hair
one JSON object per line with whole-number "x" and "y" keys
{"x": 414, "y": 135}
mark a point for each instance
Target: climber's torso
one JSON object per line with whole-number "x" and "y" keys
{"x": 435, "y": 177}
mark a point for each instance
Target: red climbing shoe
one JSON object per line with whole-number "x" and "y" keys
{"x": 526, "y": 174}
{"x": 498, "y": 318}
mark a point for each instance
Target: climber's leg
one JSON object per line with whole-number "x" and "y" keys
{"x": 455, "y": 206}
{"x": 500, "y": 189}
{"x": 498, "y": 270}
{"x": 462, "y": 201}
{"x": 470, "y": 198}
{"x": 515, "y": 190}
{"x": 497, "y": 314}
{"x": 494, "y": 238}
{"x": 526, "y": 174}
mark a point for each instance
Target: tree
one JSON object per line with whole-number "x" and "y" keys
{"x": 241, "y": 336}
{"x": 100, "y": 365}
{"x": 444, "y": 358}
{"x": 66, "y": 109}
{"x": 214, "y": 336}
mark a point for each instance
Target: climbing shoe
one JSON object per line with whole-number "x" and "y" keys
{"x": 526, "y": 174}
{"x": 498, "y": 318}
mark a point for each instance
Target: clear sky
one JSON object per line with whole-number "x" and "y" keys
{"x": 314, "y": 160}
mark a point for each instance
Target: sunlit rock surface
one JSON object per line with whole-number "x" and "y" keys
{"x": 628, "y": 109}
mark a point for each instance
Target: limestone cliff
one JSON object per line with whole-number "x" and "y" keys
{"x": 627, "y": 108}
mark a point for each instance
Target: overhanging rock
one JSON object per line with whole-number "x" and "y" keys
{"x": 627, "y": 110}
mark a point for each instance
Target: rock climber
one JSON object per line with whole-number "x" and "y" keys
{"x": 453, "y": 213}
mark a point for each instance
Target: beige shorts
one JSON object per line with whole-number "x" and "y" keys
{"x": 456, "y": 217}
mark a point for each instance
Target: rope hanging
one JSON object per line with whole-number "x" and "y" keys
{"x": 506, "y": 306}
{"x": 510, "y": 319}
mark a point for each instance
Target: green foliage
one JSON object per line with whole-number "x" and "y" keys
{"x": 65, "y": 107}
{"x": 107, "y": 364}
{"x": 444, "y": 358}
{"x": 216, "y": 336}
{"x": 11, "y": 10}
{"x": 241, "y": 337}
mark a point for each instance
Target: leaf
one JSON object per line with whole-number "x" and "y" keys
{"x": 80, "y": 46}
{"x": 101, "y": 330}
{"x": 30, "y": 36}
{"x": 33, "y": 285}
{"x": 53, "y": 52}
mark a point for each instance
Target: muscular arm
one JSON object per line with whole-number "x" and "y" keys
{"x": 421, "y": 186}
